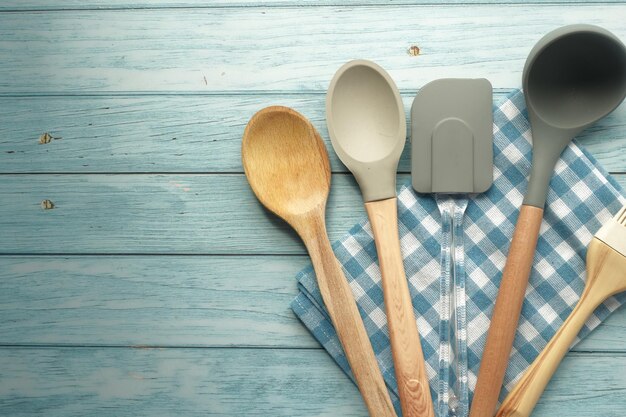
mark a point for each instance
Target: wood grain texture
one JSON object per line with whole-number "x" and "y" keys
{"x": 505, "y": 316}
{"x": 143, "y": 214}
{"x": 185, "y": 133}
{"x": 204, "y": 301}
{"x": 283, "y": 383}
{"x": 406, "y": 347}
{"x": 606, "y": 276}
{"x": 37, "y": 5}
{"x": 165, "y": 382}
{"x": 245, "y": 49}
{"x": 201, "y": 301}
{"x": 152, "y": 214}
{"x": 166, "y": 86}
{"x": 214, "y": 301}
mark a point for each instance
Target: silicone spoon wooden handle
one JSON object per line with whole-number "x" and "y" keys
{"x": 345, "y": 316}
{"x": 405, "y": 341}
{"x": 606, "y": 276}
{"x": 506, "y": 312}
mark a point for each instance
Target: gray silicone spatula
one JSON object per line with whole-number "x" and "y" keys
{"x": 452, "y": 156}
{"x": 367, "y": 128}
{"x": 573, "y": 77}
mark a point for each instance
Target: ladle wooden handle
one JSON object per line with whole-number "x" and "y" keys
{"x": 345, "y": 316}
{"x": 405, "y": 341}
{"x": 506, "y": 312}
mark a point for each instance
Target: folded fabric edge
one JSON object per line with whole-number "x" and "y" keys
{"x": 320, "y": 326}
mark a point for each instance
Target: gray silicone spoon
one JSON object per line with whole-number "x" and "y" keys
{"x": 367, "y": 128}
{"x": 573, "y": 77}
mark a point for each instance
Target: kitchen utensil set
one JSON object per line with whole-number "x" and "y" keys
{"x": 287, "y": 167}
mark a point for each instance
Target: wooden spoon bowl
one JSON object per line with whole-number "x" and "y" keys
{"x": 280, "y": 143}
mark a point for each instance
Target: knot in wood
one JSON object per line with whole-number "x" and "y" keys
{"x": 47, "y": 205}
{"x": 414, "y": 50}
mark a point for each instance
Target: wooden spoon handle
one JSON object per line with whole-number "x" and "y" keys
{"x": 522, "y": 399}
{"x": 506, "y": 312}
{"x": 345, "y": 316}
{"x": 405, "y": 341}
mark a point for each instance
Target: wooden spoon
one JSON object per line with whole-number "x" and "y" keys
{"x": 287, "y": 167}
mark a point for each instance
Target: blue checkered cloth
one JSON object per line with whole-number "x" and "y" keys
{"x": 582, "y": 197}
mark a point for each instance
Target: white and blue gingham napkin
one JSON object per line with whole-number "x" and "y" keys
{"x": 582, "y": 197}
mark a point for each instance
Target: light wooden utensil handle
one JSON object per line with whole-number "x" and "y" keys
{"x": 506, "y": 312}
{"x": 405, "y": 341}
{"x": 345, "y": 316}
{"x": 522, "y": 399}
{"x": 605, "y": 277}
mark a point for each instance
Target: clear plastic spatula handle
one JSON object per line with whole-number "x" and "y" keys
{"x": 453, "y": 399}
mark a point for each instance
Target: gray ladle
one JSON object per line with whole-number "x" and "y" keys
{"x": 573, "y": 77}
{"x": 367, "y": 127}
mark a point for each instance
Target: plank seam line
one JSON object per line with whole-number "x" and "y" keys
{"x": 217, "y": 93}
{"x": 147, "y": 347}
{"x": 33, "y": 346}
{"x": 340, "y": 5}
{"x": 151, "y": 254}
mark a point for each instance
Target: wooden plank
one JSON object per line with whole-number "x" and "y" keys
{"x": 242, "y": 382}
{"x": 151, "y": 301}
{"x": 37, "y": 5}
{"x": 184, "y": 133}
{"x": 246, "y": 49}
{"x": 200, "y": 301}
{"x": 609, "y": 337}
{"x": 170, "y": 214}
{"x": 165, "y": 382}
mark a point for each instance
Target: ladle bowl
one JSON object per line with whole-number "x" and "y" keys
{"x": 575, "y": 76}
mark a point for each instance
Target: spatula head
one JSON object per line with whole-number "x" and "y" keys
{"x": 452, "y": 137}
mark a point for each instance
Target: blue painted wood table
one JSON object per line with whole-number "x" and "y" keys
{"x": 138, "y": 274}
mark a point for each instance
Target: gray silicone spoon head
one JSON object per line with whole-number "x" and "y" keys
{"x": 574, "y": 76}
{"x": 367, "y": 126}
